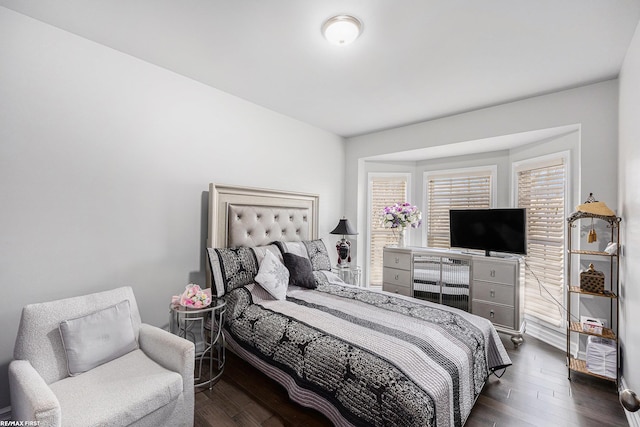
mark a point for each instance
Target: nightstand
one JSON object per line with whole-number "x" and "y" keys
{"x": 350, "y": 275}
{"x": 203, "y": 327}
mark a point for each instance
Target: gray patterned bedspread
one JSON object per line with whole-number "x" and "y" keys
{"x": 370, "y": 358}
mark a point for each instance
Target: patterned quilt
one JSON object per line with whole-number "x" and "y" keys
{"x": 377, "y": 359}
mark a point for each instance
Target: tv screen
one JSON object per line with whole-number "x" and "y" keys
{"x": 497, "y": 230}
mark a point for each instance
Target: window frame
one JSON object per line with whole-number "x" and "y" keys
{"x": 491, "y": 170}
{"x": 552, "y": 334}
{"x": 370, "y": 177}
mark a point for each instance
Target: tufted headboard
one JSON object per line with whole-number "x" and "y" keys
{"x": 242, "y": 216}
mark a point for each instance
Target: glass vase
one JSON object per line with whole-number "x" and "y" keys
{"x": 402, "y": 241}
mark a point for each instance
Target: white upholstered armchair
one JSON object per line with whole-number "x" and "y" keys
{"x": 151, "y": 384}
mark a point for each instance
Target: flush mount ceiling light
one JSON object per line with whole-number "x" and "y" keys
{"x": 341, "y": 29}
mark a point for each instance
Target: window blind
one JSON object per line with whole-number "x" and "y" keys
{"x": 470, "y": 190}
{"x": 541, "y": 190}
{"x": 385, "y": 190}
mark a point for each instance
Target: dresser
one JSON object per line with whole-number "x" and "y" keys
{"x": 489, "y": 287}
{"x": 497, "y": 295}
{"x": 397, "y": 273}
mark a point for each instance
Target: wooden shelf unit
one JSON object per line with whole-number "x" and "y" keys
{"x": 606, "y": 332}
{"x": 577, "y": 290}
{"x": 575, "y": 364}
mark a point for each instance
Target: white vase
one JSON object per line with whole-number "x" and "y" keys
{"x": 402, "y": 238}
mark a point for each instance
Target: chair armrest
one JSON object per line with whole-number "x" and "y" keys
{"x": 31, "y": 397}
{"x": 170, "y": 351}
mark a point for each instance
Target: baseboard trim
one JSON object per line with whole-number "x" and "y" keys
{"x": 547, "y": 335}
{"x": 632, "y": 417}
{"x": 5, "y": 414}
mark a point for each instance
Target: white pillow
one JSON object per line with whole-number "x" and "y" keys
{"x": 98, "y": 338}
{"x": 273, "y": 276}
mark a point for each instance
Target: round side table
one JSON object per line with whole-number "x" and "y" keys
{"x": 203, "y": 327}
{"x": 350, "y": 274}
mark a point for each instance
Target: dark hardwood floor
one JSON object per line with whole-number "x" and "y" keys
{"x": 533, "y": 392}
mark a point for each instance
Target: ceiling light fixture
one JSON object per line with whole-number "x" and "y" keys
{"x": 341, "y": 29}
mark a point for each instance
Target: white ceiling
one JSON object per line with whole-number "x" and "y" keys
{"x": 416, "y": 59}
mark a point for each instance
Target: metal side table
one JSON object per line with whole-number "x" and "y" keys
{"x": 203, "y": 327}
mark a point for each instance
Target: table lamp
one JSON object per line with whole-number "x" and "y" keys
{"x": 344, "y": 246}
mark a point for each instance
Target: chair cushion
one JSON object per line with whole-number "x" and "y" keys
{"x": 98, "y": 337}
{"x": 39, "y": 340}
{"x": 116, "y": 393}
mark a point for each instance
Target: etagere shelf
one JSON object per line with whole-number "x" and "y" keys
{"x": 612, "y": 288}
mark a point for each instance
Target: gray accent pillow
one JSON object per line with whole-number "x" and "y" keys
{"x": 98, "y": 338}
{"x": 300, "y": 271}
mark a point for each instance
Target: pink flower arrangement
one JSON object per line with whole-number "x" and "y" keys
{"x": 193, "y": 297}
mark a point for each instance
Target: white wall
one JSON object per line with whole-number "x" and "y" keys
{"x": 629, "y": 209}
{"x": 104, "y": 165}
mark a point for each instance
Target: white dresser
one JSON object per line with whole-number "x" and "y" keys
{"x": 489, "y": 287}
{"x": 397, "y": 274}
{"x": 497, "y": 295}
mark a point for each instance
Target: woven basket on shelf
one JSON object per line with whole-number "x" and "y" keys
{"x": 592, "y": 280}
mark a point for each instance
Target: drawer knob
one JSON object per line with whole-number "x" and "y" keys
{"x": 492, "y": 293}
{"x": 492, "y": 273}
{"x": 492, "y": 314}
{"x": 397, "y": 276}
{"x": 397, "y": 260}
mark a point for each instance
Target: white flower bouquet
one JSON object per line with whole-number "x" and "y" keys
{"x": 400, "y": 216}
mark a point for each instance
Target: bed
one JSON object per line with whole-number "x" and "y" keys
{"x": 360, "y": 357}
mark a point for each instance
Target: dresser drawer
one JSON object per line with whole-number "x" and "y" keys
{"x": 495, "y": 272}
{"x": 498, "y": 314}
{"x": 494, "y": 293}
{"x": 397, "y": 260}
{"x": 396, "y": 277}
{"x": 397, "y": 289}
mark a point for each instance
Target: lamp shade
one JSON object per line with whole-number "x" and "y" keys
{"x": 344, "y": 228}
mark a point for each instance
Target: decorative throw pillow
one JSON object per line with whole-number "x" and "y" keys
{"x": 260, "y": 252}
{"x": 324, "y": 277}
{"x": 98, "y": 338}
{"x": 314, "y": 250}
{"x": 273, "y": 276}
{"x": 300, "y": 271}
{"x": 297, "y": 248}
{"x": 318, "y": 254}
{"x": 231, "y": 268}
{"x": 320, "y": 278}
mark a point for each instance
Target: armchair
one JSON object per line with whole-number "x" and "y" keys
{"x": 149, "y": 386}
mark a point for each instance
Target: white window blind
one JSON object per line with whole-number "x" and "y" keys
{"x": 462, "y": 190}
{"x": 541, "y": 190}
{"x": 385, "y": 190}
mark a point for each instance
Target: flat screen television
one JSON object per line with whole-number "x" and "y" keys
{"x": 491, "y": 230}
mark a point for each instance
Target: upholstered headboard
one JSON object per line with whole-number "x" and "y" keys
{"x": 242, "y": 216}
{"x": 250, "y": 217}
